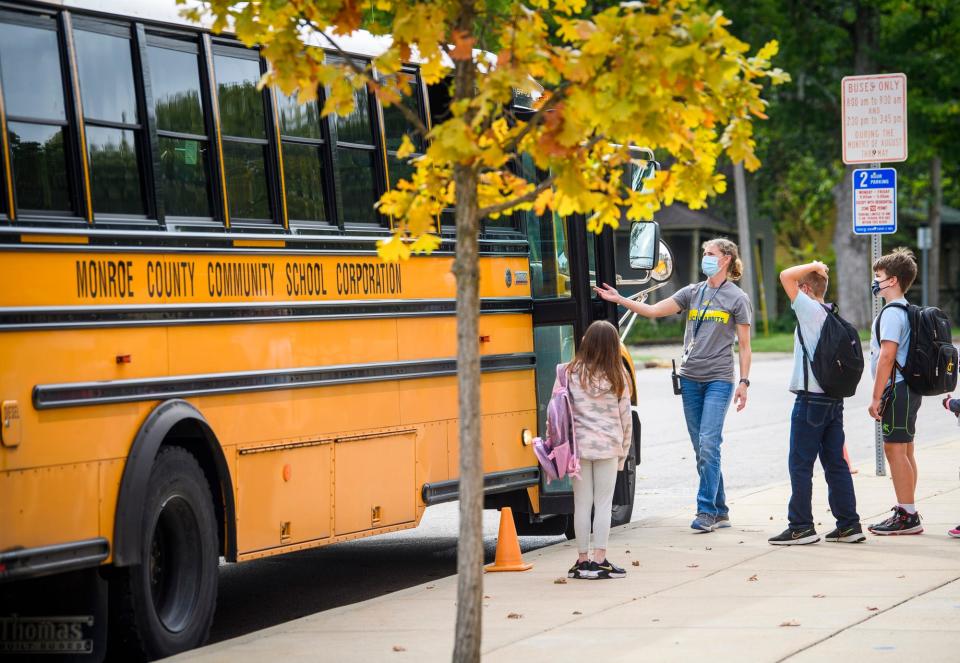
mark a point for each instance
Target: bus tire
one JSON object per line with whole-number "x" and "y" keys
{"x": 624, "y": 512}
{"x": 165, "y": 604}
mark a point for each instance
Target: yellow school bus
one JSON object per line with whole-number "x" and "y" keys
{"x": 202, "y": 357}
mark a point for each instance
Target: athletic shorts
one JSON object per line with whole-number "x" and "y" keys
{"x": 899, "y": 420}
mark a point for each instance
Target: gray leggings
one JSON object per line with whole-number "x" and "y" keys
{"x": 594, "y": 489}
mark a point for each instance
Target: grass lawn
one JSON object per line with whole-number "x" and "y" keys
{"x": 783, "y": 341}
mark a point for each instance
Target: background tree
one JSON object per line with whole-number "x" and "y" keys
{"x": 804, "y": 187}
{"x": 665, "y": 74}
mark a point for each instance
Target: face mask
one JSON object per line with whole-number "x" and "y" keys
{"x": 709, "y": 265}
{"x": 875, "y": 286}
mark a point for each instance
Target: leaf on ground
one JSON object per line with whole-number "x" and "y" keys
{"x": 792, "y": 622}
{"x": 628, "y": 552}
{"x": 514, "y": 615}
{"x": 708, "y": 548}
{"x": 560, "y": 581}
{"x": 819, "y": 596}
{"x": 399, "y": 648}
{"x": 654, "y": 620}
{"x": 753, "y": 578}
{"x": 577, "y": 612}
{"x": 901, "y": 576}
{"x": 771, "y": 517}
{"x": 636, "y": 563}
{"x": 486, "y": 596}
{"x": 872, "y": 608}
{"x": 693, "y": 566}
{"x": 429, "y": 586}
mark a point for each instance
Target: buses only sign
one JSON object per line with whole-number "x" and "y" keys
{"x": 874, "y": 118}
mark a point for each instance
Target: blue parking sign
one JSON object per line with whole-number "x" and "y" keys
{"x": 874, "y": 201}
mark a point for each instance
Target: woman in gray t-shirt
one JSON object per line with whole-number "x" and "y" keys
{"x": 717, "y": 312}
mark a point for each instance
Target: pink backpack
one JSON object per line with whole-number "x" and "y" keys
{"x": 558, "y": 453}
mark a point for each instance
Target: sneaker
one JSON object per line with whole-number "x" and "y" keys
{"x": 795, "y": 537}
{"x": 704, "y": 522}
{"x": 900, "y": 522}
{"x": 955, "y": 532}
{"x": 607, "y": 569}
{"x": 723, "y": 521}
{"x": 852, "y": 534}
{"x": 582, "y": 571}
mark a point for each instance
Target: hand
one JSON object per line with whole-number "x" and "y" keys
{"x": 608, "y": 293}
{"x": 740, "y": 396}
{"x": 874, "y": 409}
{"x": 820, "y": 268}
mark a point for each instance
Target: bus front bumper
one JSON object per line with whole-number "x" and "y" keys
{"x": 23, "y": 563}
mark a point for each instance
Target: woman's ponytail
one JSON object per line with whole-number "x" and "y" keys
{"x": 736, "y": 269}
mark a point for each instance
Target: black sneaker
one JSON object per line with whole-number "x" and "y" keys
{"x": 607, "y": 569}
{"x": 795, "y": 537}
{"x": 900, "y": 522}
{"x": 582, "y": 571}
{"x": 852, "y": 534}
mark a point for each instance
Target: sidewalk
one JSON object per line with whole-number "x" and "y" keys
{"x": 728, "y": 595}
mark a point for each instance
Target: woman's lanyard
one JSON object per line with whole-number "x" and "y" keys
{"x": 702, "y": 308}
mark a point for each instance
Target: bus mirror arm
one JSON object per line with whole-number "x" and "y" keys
{"x": 630, "y": 317}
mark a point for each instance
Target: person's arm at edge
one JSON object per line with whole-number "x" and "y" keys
{"x": 746, "y": 356}
{"x": 888, "y": 354}
{"x": 659, "y": 310}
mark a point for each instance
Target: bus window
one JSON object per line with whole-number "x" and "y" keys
{"x": 355, "y": 162}
{"x": 111, "y": 122}
{"x": 181, "y": 133}
{"x": 549, "y": 252}
{"x": 301, "y": 140}
{"x": 396, "y": 125}
{"x": 244, "y": 134}
{"x": 36, "y": 112}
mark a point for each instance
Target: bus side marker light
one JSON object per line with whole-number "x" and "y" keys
{"x": 526, "y": 437}
{"x": 10, "y": 431}
{"x": 124, "y": 359}
{"x": 287, "y": 472}
{"x": 484, "y": 339}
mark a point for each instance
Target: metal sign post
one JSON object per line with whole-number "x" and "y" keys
{"x": 874, "y": 129}
{"x": 875, "y": 214}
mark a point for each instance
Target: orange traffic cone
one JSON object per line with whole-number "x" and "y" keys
{"x": 508, "y": 548}
{"x": 846, "y": 457}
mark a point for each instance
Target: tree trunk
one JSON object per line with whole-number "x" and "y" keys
{"x": 852, "y": 273}
{"x": 466, "y": 269}
{"x": 743, "y": 232}
{"x": 936, "y": 206}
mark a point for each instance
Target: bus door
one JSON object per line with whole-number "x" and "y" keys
{"x": 562, "y": 257}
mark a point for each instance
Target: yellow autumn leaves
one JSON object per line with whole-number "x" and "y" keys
{"x": 664, "y": 74}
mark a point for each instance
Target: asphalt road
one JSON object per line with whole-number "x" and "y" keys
{"x": 258, "y": 594}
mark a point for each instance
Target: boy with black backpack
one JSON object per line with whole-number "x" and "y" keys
{"x": 827, "y": 365}
{"x": 912, "y": 355}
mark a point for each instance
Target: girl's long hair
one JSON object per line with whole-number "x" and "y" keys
{"x": 599, "y": 357}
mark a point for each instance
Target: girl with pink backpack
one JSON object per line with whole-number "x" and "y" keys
{"x": 598, "y": 388}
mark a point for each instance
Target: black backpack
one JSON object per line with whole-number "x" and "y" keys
{"x": 837, "y": 362}
{"x": 931, "y": 366}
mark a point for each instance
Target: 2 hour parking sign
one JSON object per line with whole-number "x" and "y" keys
{"x": 874, "y": 201}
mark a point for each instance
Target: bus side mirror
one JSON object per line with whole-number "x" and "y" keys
{"x": 644, "y": 245}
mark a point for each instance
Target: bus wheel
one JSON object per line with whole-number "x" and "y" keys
{"x": 165, "y": 604}
{"x": 623, "y": 512}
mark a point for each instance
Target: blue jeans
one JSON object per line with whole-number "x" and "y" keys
{"x": 816, "y": 428}
{"x": 705, "y": 406}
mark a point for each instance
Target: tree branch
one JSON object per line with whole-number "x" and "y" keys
{"x": 408, "y": 114}
{"x": 519, "y": 200}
